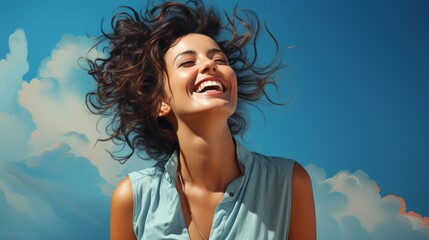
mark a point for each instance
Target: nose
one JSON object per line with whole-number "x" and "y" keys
{"x": 209, "y": 65}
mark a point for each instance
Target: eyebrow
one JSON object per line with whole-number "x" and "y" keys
{"x": 192, "y": 52}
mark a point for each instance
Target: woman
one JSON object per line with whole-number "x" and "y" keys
{"x": 175, "y": 81}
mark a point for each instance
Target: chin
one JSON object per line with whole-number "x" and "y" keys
{"x": 222, "y": 109}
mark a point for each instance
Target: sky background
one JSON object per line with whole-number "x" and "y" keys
{"x": 356, "y": 84}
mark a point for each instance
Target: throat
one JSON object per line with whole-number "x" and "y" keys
{"x": 208, "y": 162}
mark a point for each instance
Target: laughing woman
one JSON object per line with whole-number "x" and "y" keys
{"x": 175, "y": 80}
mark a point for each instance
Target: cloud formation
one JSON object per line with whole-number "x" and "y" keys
{"x": 56, "y": 100}
{"x": 57, "y": 184}
{"x": 14, "y": 119}
{"x": 55, "y": 195}
{"x": 53, "y": 180}
{"x": 349, "y": 206}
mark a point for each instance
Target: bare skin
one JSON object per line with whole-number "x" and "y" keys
{"x": 207, "y": 152}
{"x": 303, "y": 216}
{"x": 121, "y": 212}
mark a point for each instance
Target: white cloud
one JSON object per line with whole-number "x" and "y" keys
{"x": 12, "y": 70}
{"x": 15, "y": 122}
{"x": 56, "y": 100}
{"x": 349, "y": 206}
{"x": 53, "y": 179}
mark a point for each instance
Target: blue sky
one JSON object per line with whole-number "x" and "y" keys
{"x": 356, "y": 85}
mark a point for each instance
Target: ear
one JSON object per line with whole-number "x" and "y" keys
{"x": 164, "y": 109}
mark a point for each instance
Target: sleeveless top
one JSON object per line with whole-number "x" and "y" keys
{"x": 255, "y": 205}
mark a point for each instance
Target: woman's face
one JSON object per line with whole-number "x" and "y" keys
{"x": 199, "y": 79}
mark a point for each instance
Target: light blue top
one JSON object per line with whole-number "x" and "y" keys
{"x": 256, "y": 205}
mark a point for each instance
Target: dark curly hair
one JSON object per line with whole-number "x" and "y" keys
{"x": 130, "y": 79}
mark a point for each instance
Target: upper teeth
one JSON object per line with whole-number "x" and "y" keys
{"x": 209, "y": 84}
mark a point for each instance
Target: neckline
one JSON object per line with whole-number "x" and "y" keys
{"x": 244, "y": 158}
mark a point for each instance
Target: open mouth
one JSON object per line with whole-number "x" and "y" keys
{"x": 209, "y": 86}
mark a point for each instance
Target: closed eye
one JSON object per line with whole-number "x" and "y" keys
{"x": 221, "y": 61}
{"x": 187, "y": 64}
{"x": 219, "y": 57}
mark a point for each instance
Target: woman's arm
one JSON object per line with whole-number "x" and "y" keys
{"x": 121, "y": 212}
{"x": 303, "y": 217}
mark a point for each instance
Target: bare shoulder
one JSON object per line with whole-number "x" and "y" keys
{"x": 123, "y": 193}
{"x": 300, "y": 177}
{"x": 121, "y": 212}
{"x": 303, "y": 218}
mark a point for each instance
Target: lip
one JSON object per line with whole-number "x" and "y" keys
{"x": 210, "y": 78}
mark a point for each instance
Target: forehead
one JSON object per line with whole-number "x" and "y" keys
{"x": 194, "y": 42}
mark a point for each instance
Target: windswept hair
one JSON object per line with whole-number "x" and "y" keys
{"x": 130, "y": 79}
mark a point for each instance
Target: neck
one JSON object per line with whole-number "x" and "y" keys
{"x": 207, "y": 156}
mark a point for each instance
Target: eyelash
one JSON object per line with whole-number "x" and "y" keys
{"x": 218, "y": 60}
{"x": 186, "y": 63}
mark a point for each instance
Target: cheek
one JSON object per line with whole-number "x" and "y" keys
{"x": 232, "y": 78}
{"x": 176, "y": 83}
{"x": 184, "y": 81}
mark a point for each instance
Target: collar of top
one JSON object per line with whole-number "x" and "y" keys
{"x": 244, "y": 158}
